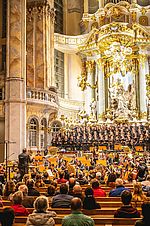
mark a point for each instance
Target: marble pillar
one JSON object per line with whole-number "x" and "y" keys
{"x": 143, "y": 70}
{"x": 101, "y": 4}
{"x": 15, "y": 95}
{"x": 66, "y": 74}
{"x": 101, "y": 90}
{"x": 89, "y": 92}
{"x": 86, "y": 7}
{"x": 40, "y": 44}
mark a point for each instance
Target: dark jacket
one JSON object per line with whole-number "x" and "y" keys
{"x": 127, "y": 212}
{"x": 117, "y": 191}
{"x": 61, "y": 200}
{"x": 89, "y": 203}
{"x": 33, "y": 192}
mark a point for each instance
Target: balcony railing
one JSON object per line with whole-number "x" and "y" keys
{"x": 45, "y": 97}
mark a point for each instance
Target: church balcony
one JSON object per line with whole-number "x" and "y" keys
{"x": 47, "y": 98}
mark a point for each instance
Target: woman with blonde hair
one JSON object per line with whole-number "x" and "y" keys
{"x": 138, "y": 196}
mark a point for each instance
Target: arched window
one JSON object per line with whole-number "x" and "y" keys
{"x": 33, "y": 133}
{"x": 56, "y": 126}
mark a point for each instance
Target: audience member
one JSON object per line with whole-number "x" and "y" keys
{"x": 9, "y": 188}
{"x": 40, "y": 215}
{"x": 19, "y": 209}
{"x": 7, "y": 217}
{"x": 145, "y": 221}
{"x": 89, "y": 202}
{"x": 61, "y": 178}
{"x": 27, "y": 201}
{"x": 63, "y": 199}
{"x": 77, "y": 192}
{"x": 31, "y": 190}
{"x": 98, "y": 192}
{"x": 77, "y": 218}
{"x": 126, "y": 211}
{"x": 119, "y": 188}
{"x": 138, "y": 195}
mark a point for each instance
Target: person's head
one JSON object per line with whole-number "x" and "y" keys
{"x": 95, "y": 184}
{"x": 146, "y": 210}
{"x": 41, "y": 204}
{"x": 24, "y": 189}
{"x": 63, "y": 189}
{"x": 77, "y": 189}
{"x": 72, "y": 182}
{"x": 24, "y": 150}
{"x": 137, "y": 188}
{"x": 9, "y": 188}
{"x": 126, "y": 197}
{"x": 89, "y": 192}
{"x": 119, "y": 182}
{"x": 51, "y": 190}
{"x": 8, "y": 217}
{"x": 45, "y": 175}
{"x": 30, "y": 183}
{"x": 76, "y": 204}
{"x": 25, "y": 178}
{"x": 17, "y": 198}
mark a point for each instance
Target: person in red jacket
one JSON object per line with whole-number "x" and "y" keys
{"x": 98, "y": 191}
{"x": 17, "y": 206}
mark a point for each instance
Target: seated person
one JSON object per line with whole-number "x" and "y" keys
{"x": 77, "y": 217}
{"x": 27, "y": 200}
{"x": 81, "y": 179}
{"x": 77, "y": 192}
{"x": 89, "y": 202}
{"x": 126, "y": 211}
{"x": 98, "y": 191}
{"x": 17, "y": 206}
{"x": 31, "y": 190}
{"x": 119, "y": 188}
{"x": 46, "y": 179}
{"x": 61, "y": 178}
{"x": 145, "y": 221}
{"x": 40, "y": 215}
{"x": 138, "y": 195}
{"x": 7, "y": 217}
{"x": 51, "y": 191}
{"x": 62, "y": 200}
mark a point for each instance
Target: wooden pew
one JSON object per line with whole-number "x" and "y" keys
{"x": 98, "y": 221}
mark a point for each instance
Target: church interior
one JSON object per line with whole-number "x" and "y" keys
{"x": 75, "y": 100}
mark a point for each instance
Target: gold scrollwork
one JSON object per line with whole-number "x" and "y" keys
{"x": 148, "y": 85}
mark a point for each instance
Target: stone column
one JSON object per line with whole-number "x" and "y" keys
{"x": 66, "y": 74}
{"x": 40, "y": 44}
{"x": 143, "y": 70}
{"x": 101, "y": 90}
{"x": 89, "y": 92}
{"x": 15, "y": 95}
{"x": 86, "y": 6}
{"x": 74, "y": 14}
{"x": 101, "y": 4}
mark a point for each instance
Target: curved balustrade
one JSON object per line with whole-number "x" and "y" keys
{"x": 42, "y": 97}
{"x": 66, "y": 43}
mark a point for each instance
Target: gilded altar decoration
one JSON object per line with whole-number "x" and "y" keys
{"x": 148, "y": 85}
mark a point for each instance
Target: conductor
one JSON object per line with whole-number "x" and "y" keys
{"x": 24, "y": 160}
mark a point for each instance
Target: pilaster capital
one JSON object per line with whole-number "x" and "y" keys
{"x": 40, "y": 7}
